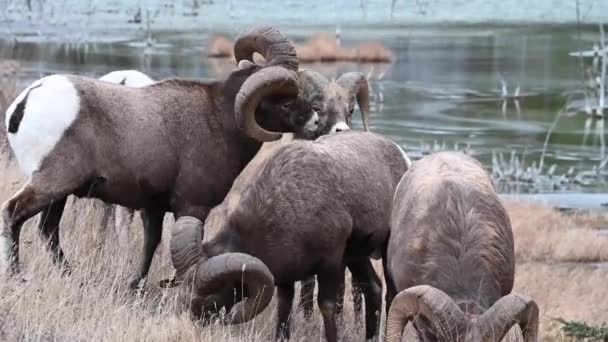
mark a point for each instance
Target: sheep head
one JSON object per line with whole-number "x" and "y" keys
{"x": 276, "y": 81}
{"x": 448, "y": 321}
{"x": 210, "y": 284}
{"x": 334, "y": 102}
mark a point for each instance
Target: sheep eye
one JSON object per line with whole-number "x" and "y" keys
{"x": 286, "y": 105}
{"x": 350, "y": 111}
{"x": 316, "y": 108}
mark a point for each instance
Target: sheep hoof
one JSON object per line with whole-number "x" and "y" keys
{"x": 137, "y": 284}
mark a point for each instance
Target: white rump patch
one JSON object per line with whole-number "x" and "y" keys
{"x": 313, "y": 123}
{"x": 130, "y": 78}
{"x": 340, "y": 127}
{"x": 50, "y": 109}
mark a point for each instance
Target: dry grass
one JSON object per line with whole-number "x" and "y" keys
{"x": 9, "y": 73}
{"x": 93, "y": 303}
{"x": 548, "y": 236}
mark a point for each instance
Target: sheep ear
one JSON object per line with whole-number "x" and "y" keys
{"x": 245, "y": 64}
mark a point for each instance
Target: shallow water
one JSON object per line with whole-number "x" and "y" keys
{"x": 442, "y": 92}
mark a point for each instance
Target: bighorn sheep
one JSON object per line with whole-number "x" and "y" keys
{"x": 173, "y": 146}
{"x": 123, "y": 217}
{"x": 333, "y": 101}
{"x": 313, "y": 207}
{"x": 450, "y": 253}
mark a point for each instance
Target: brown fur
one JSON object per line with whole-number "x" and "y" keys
{"x": 449, "y": 230}
{"x": 314, "y": 207}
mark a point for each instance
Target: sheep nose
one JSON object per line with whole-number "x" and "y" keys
{"x": 340, "y": 127}
{"x": 313, "y": 123}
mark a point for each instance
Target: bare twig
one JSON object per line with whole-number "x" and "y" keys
{"x": 548, "y": 136}
{"x": 603, "y": 74}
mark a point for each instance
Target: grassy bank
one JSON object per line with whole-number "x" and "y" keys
{"x": 554, "y": 252}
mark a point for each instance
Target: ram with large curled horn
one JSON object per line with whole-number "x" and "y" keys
{"x": 333, "y": 101}
{"x": 451, "y": 255}
{"x": 271, "y": 237}
{"x": 172, "y": 146}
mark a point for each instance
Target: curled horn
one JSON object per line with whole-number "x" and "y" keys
{"x": 508, "y": 311}
{"x": 222, "y": 271}
{"x": 433, "y": 304}
{"x": 279, "y": 77}
{"x": 186, "y": 248}
{"x": 272, "y": 80}
{"x": 355, "y": 83}
{"x": 270, "y": 43}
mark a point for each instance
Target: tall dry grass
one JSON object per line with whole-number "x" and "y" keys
{"x": 94, "y": 304}
{"x": 9, "y": 74}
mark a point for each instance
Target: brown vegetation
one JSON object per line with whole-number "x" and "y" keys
{"x": 9, "y": 72}
{"x": 94, "y": 304}
{"x": 220, "y": 47}
{"x": 320, "y": 47}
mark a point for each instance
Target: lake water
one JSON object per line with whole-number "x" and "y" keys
{"x": 443, "y": 91}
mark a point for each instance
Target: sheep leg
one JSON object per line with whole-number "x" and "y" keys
{"x": 108, "y": 214}
{"x": 365, "y": 278}
{"x": 48, "y": 226}
{"x": 340, "y": 295}
{"x": 357, "y": 294}
{"x": 153, "y": 231}
{"x": 27, "y": 202}
{"x": 307, "y": 295}
{"x": 391, "y": 291}
{"x": 123, "y": 217}
{"x": 329, "y": 280}
{"x": 285, "y": 294}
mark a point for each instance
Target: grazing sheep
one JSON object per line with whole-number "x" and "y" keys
{"x": 313, "y": 207}
{"x": 173, "y": 146}
{"x": 334, "y": 103}
{"x": 450, "y": 253}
